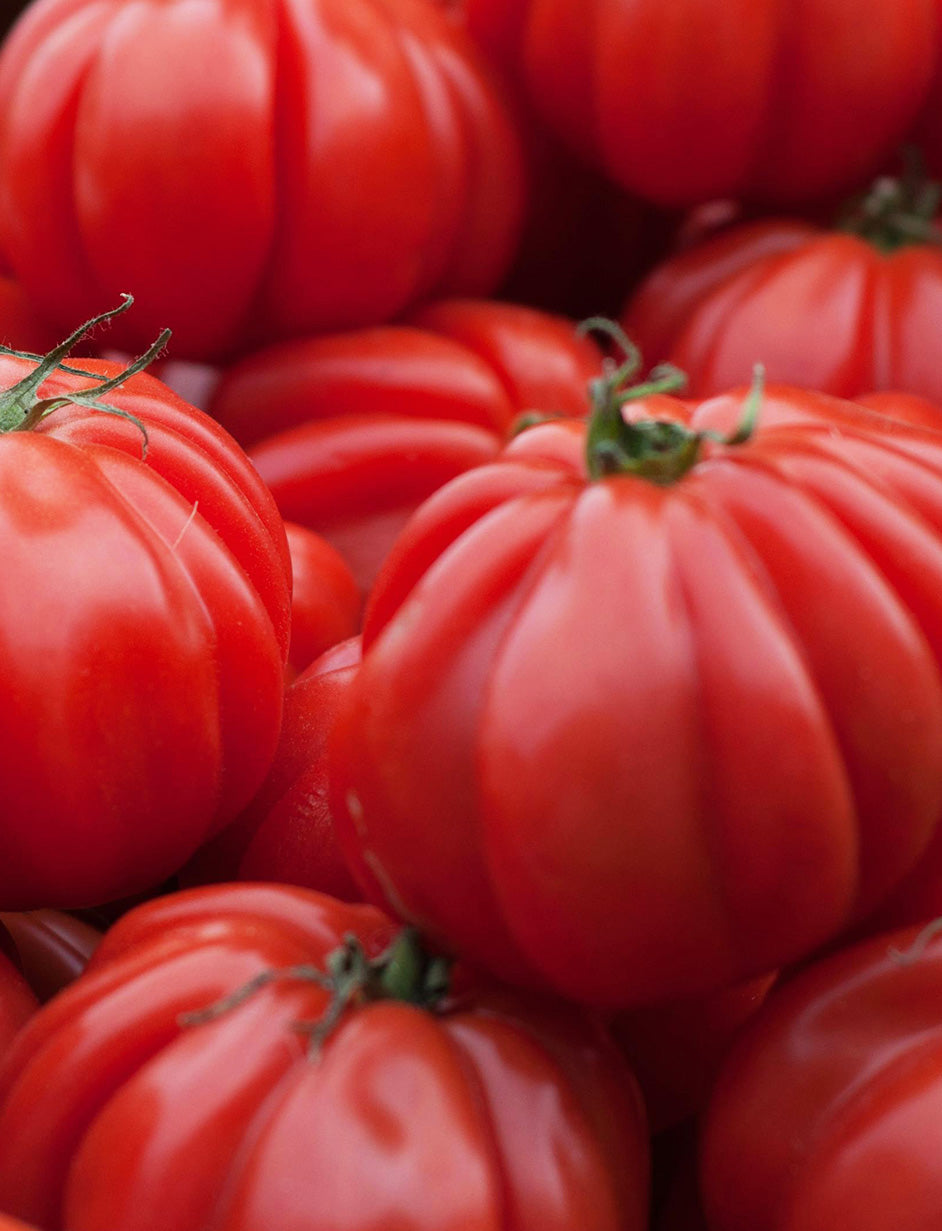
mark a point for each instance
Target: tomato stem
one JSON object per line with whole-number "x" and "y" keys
{"x": 21, "y": 409}
{"x": 897, "y": 211}
{"x": 659, "y": 450}
{"x": 404, "y": 972}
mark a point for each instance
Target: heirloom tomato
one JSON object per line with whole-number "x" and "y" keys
{"x": 826, "y": 1113}
{"x": 693, "y": 100}
{"x": 144, "y": 621}
{"x": 253, "y": 1058}
{"x": 844, "y": 310}
{"x": 251, "y": 169}
{"x": 646, "y": 709}
{"x": 325, "y": 598}
{"x": 351, "y": 432}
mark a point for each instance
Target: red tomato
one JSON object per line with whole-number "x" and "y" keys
{"x": 14, "y": 1224}
{"x": 286, "y": 834}
{"x": 827, "y": 1111}
{"x": 410, "y": 1108}
{"x": 325, "y": 165}
{"x": 144, "y": 623}
{"x": 325, "y": 598}
{"x": 51, "y": 948}
{"x": 838, "y": 311}
{"x": 699, "y": 99}
{"x": 623, "y": 737}
{"x": 20, "y": 328}
{"x": 17, "y": 1002}
{"x": 352, "y": 432}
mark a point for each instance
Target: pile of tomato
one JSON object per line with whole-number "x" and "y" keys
{"x": 471, "y": 615}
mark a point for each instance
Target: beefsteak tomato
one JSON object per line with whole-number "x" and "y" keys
{"x": 351, "y": 432}
{"x": 144, "y": 622}
{"x": 172, "y": 1086}
{"x": 699, "y": 99}
{"x": 643, "y": 711}
{"x": 250, "y": 168}
{"x": 826, "y": 1112}
{"x": 844, "y": 310}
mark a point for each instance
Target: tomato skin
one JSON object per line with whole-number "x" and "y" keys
{"x": 820, "y": 308}
{"x": 287, "y": 834}
{"x": 690, "y": 102}
{"x": 841, "y": 1070}
{"x": 17, "y": 1002}
{"x": 326, "y": 602}
{"x": 457, "y": 1119}
{"x": 572, "y": 673}
{"x": 351, "y": 432}
{"x": 143, "y": 641}
{"x": 362, "y": 141}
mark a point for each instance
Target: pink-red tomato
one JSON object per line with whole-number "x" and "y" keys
{"x": 286, "y": 834}
{"x": 826, "y": 1112}
{"x": 699, "y": 99}
{"x": 625, "y": 737}
{"x": 471, "y": 1108}
{"x": 351, "y": 432}
{"x": 250, "y": 169}
{"x": 144, "y": 622}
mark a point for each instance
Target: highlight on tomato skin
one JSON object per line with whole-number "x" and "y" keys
{"x": 313, "y": 1056}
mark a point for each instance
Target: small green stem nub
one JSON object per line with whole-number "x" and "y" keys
{"x": 897, "y": 211}
{"x": 659, "y": 450}
{"x": 404, "y": 972}
{"x": 20, "y": 406}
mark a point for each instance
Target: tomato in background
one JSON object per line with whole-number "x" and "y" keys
{"x": 17, "y": 1001}
{"x": 352, "y": 431}
{"x": 699, "y": 99}
{"x": 287, "y": 834}
{"x": 325, "y": 599}
{"x": 621, "y": 737}
{"x": 327, "y": 164}
{"x": 826, "y": 1112}
{"x": 144, "y": 631}
{"x": 412, "y": 1106}
{"x": 843, "y": 309}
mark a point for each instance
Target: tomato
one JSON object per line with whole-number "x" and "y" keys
{"x": 286, "y": 834}
{"x": 700, "y": 99}
{"x": 351, "y": 432}
{"x": 144, "y": 623}
{"x": 841, "y": 310}
{"x": 17, "y": 1002}
{"x": 328, "y": 164}
{"x": 143, "y": 1098}
{"x": 624, "y": 736}
{"x": 325, "y": 598}
{"x": 20, "y": 327}
{"x": 826, "y": 1111}
{"x": 50, "y": 947}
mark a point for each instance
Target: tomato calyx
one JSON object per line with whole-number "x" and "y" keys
{"x": 20, "y": 406}
{"x": 404, "y": 972}
{"x": 659, "y": 450}
{"x": 897, "y": 211}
